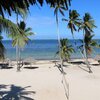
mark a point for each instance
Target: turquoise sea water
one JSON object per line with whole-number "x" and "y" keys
{"x": 43, "y": 49}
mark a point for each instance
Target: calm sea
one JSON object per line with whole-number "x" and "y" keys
{"x": 43, "y": 49}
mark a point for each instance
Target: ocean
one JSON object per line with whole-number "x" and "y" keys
{"x": 43, "y": 49}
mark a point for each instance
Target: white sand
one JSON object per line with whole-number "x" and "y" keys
{"x": 46, "y": 81}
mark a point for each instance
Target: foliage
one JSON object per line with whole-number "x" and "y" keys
{"x": 89, "y": 44}
{"x": 73, "y": 20}
{"x": 11, "y": 5}
{"x": 8, "y": 26}
{"x": 65, "y": 50}
{"x": 87, "y": 24}
{"x": 21, "y": 38}
{"x": 2, "y": 49}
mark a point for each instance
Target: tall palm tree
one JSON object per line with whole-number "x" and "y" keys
{"x": 2, "y": 49}
{"x": 61, "y": 6}
{"x": 66, "y": 50}
{"x": 89, "y": 44}
{"x": 8, "y": 27}
{"x": 21, "y": 39}
{"x": 87, "y": 26}
{"x": 73, "y": 22}
{"x": 22, "y": 12}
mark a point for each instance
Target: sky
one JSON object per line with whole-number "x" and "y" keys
{"x": 43, "y": 23}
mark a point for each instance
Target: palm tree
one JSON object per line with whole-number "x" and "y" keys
{"x": 61, "y": 6}
{"x": 8, "y": 27}
{"x": 87, "y": 27}
{"x": 89, "y": 44}
{"x": 21, "y": 39}
{"x": 66, "y": 50}
{"x": 2, "y": 49}
{"x": 22, "y": 12}
{"x": 73, "y": 21}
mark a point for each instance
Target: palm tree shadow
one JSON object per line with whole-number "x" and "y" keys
{"x": 83, "y": 69}
{"x": 3, "y": 86}
{"x": 16, "y": 93}
{"x": 59, "y": 68}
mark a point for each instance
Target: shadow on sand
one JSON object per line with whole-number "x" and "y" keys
{"x": 5, "y": 66}
{"x": 84, "y": 68}
{"x": 15, "y": 93}
{"x": 60, "y": 68}
{"x": 31, "y": 67}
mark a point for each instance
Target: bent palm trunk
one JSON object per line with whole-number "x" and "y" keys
{"x": 85, "y": 54}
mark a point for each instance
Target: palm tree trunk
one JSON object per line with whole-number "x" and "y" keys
{"x": 17, "y": 56}
{"x": 85, "y": 54}
{"x": 19, "y": 59}
{"x": 64, "y": 81}
{"x": 17, "y": 48}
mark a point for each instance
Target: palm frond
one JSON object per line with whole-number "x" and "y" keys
{"x": 8, "y": 26}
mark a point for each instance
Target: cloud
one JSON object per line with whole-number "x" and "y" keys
{"x": 40, "y": 21}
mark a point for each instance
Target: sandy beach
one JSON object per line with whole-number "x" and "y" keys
{"x": 44, "y": 82}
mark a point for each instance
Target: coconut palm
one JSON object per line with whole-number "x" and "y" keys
{"x": 2, "y": 49}
{"x": 22, "y": 12}
{"x": 66, "y": 50}
{"x": 21, "y": 39}
{"x": 73, "y": 21}
{"x": 89, "y": 44}
{"x": 61, "y": 6}
{"x": 8, "y": 27}
{"x": 87, "y": 27}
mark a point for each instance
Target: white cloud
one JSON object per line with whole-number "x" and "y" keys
{"x": 40, "y": 21}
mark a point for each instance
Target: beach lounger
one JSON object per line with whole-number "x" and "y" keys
{"x": 29, "y": 61}
{"x": 6, "y": 64}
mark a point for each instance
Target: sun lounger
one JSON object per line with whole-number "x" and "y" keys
{"x": 29, "y": 61}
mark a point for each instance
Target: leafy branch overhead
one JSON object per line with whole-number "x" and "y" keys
{"x": 12, "y": 5}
